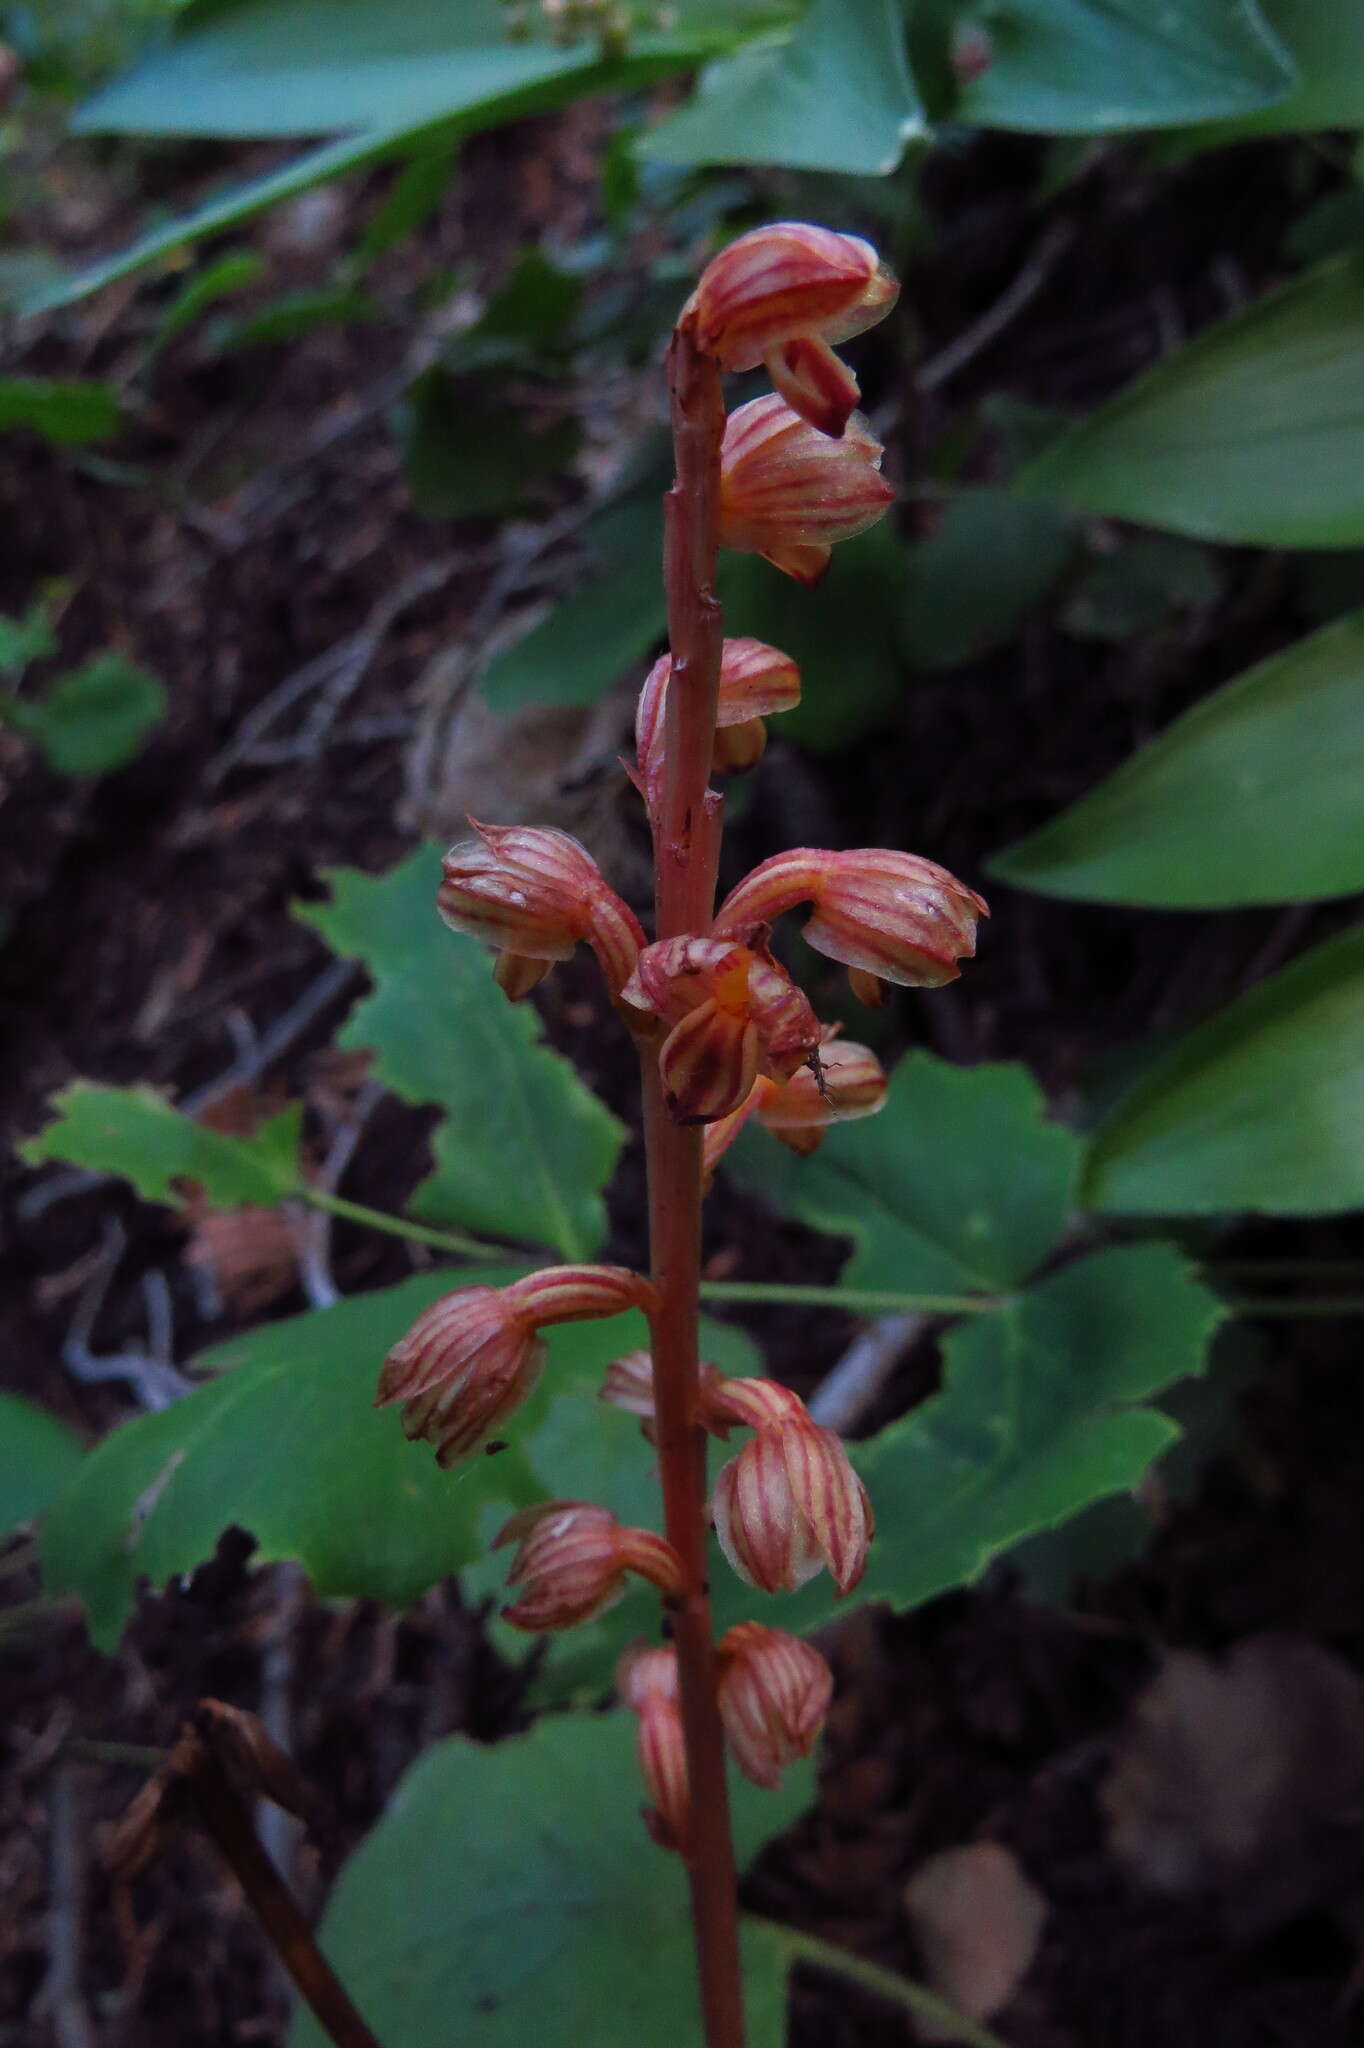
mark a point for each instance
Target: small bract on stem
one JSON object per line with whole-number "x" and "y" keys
{"x": 723, "y": 1035}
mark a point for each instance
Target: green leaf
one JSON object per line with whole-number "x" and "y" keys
{"x": 1326, "y": 42}
{"x": 850, "y": 684}
{"x": 1099, "y": 67}
{"x": 287, "y": 1445}
{"x": 1261, "y": 1108}
{"x": 69, "y": 412}
{"x": 138, "y": 1134}
{"x": 293, "y": 314}
{"x": 415, "y": 193}
{"x": 613, "y": 617}
{"x": 1215, "y": 811}
{"x": 1253, "y": 432}
{"x": 96, "y": 717}
{"x": 526, "y": 1148}
{"x": 959, "y": 1185}
{"x": 470, "y": 450}
{"x": 31, "y": 638}
{"x": 838, "y": 96}
{"x": 948, "y": 613}
{"x": 511, "y": 1894}
{"x": 316, "y": 67}
{"x": 1039, "y": 1416}
{"x": 38, "y": 1455}
{"x": 228, "y": 273}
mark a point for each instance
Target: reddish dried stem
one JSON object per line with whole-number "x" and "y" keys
{"x": 686, "y": 829}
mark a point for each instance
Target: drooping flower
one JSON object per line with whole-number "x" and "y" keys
{"x": 788, "y": 492}
{"x": 886, "y": 916}
{"x": 532, "y": 894}
{"x": 774, "y": 1692}
{"x": 847, "y": 1082}
{"x": 723, "y": 1402}
{"x": 571, "y": 1560}
{"x": 473, "y": 1358}
{"x": 780, "y": 295}
{"x": 733, "y": 1013}
{"x": 790, "y": 1504}
{"x": 756, "y": 681}
{"x": 648, "y": 1683}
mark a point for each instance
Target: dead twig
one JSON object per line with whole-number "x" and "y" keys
{"x": 975, "y": 339}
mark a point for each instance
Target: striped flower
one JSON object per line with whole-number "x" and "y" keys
{"x": 788, "y": 492}
{"x": 788, "y": 1506}
{"x": 732, "y": 1014}
{"x": 647, "y": 1682}
{"x": 756, "y": 681}
{"x": 886, "y": 916}
{"x": 774, "y": 1692}
{"x": 571, "y": 1560}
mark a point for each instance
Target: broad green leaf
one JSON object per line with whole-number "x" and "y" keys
{"x": 1261, "y": 1108}
{"x": 959, "y": 1185}
{"x": 287, "y": 1445}
{"x": 1098, "y": 67}
{"x": 38, "y": 1455}
{"x": 137, "y": 1133}
{"x": 838, "y": 96}
{"x": 948, "y": 612}
{"x": 1325, "y": 39}
{"x": 851, "y": 684}
{"x": 1252, "y": 432}
{"x": 525, "y": 1149}
{"x": 613, "y": 617}
{"x": 316, "y": 67}
{"x": 1256, "y": 795}
{"x": 511, "y": 1894}
{"x": 470, "y": 450}
{"x": 1040, "y": 1414}
{"x": 68, "y": 412}
{"x": 96, "y": 717}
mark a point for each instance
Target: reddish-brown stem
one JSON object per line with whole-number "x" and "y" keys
{"x": 686, "y": 829}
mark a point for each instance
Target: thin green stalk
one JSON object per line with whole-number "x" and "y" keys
{"x": 870, "y": 1301}
{"x": 882, "y": 1983}
{"x": 401, "y": 1226}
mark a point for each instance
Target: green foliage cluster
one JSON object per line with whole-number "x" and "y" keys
{"x": 85, "y": 720}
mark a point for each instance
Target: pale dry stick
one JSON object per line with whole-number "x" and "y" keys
{"x": 62, "y": 1993}
{"x": 848, "y": 1389}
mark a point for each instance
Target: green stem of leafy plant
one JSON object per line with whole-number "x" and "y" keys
{"x": 872, "y": 1301}
{"x": 882, "y": 1983}
{"x": 401, "y": 1226}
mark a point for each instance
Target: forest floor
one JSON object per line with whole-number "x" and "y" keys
{"x": 1174, "y": 1761}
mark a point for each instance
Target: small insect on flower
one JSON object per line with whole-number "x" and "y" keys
{"x": 734, "y": 1013}
{"x": 844, "y": 1081}
{"x": 788, "y": 493}
{"x": 571, "y": 1560}
{"x": 780, "y": 295}
{"x": 886, "y": 916}
{"x": 774, "y": 1692}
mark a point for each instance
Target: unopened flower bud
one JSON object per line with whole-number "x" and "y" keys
{"x": 733, "y": 1012}
{"x": 756, "y": 681}
{"x": 474, "y": 1357}
{"x": 648, "y": 1684}
{"x": 788, "y": 492}
{"x": 789, "y": 1504}
{"x": 779, "y": 296}
{"x": 774, "y": 1692}
{"x": 571, "y": 1560}
{"x": 888, "y": 915}
{"x": 532, "y": 894}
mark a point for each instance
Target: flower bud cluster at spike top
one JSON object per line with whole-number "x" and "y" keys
{"x": 723, "y": 1036}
